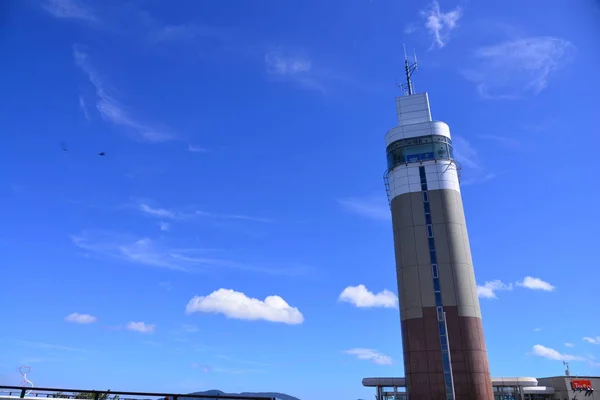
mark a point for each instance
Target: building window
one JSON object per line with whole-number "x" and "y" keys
{"x": 427, "y": 208}
{"x": 429, "y": 231}
{"x": 431, "y": 244}
{"x": 433, "y": 256}
{"x": 431, "y": 147}
{"x": 442, "y": 328}
{"x": 440, "y": 313}
{"x": 446, "y": 361}
{"x": 428, "y": 218}
{"x": 434, "y": 270}
{"x": 425, "y": 197}
{"x": 436, "y": 285}
{"x": 438, "y": 298}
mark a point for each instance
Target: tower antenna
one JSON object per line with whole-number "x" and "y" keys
{"x": 409, "y": 69}
{"x": 567, "y": 370}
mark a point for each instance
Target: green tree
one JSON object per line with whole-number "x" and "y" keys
{"x": 92, "y": 396}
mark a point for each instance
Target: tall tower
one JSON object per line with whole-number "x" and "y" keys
{"x": 445, "y": 357}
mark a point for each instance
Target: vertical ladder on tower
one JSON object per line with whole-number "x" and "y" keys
{"x": 386, "y": 182}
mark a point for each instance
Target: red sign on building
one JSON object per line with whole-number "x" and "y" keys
{"x": 581, "y": 384}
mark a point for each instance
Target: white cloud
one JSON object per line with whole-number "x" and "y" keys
{"x": 239, "y": 306}
{"x": 537, "y": 329}
{"x": 536, "y": 284}
{"x": 164, "y": 226}
{"x": 111, "y": 110}
{"x": 440, "y": 24}
{"x": 592, "y": 340}
{"x": 569, "y": 344}
{"x": 546, "y": 352}
{"x": 80, "y": 318}
{"x": 488, "y": 289}
{"x": 70, "y": 9}
{"x": 370, "y": 207}
{"x": 515, "y": 68}
{"x": 141, "y": 327}
{"x": 369, "y": 354}
{"x": 361, "y": 297}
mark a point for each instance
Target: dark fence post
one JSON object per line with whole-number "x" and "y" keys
{"x": 23, "y": 392}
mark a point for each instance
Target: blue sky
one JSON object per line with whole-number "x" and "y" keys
{"x": 244, "y": 160}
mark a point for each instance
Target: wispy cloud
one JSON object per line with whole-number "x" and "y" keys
{"x": 361, "y": 297}
{"x": 196, "y": 149}
{"x": 83, "y": 108}
{"x": 70, "y": 9}
{"x": 135, "y": 250}
{"x": 49, "y": 346}
{"x": 504, "y": 141}
{"x": 156, "y": 253}
{"x": 488, "y": 289}
{"x": 239, "y": 306}
{"x": 166, "y": 285}
{"x": 164, "y": 226}
{"x": 567, "y": 344}
{"x": 474, "y": 171}
{"x": 294, "y": 68}
{"x": 110, "y": 108}
{"x": 159, "y": 212}
{"x": 141, "y": 327}
{"x": 440, "y": 24}
{"x": 465, "y": 153}
{"x": 592, "y": 340}
{"x": 237, "y": 371}
{"x": 241, "y": 361}
{"x": 551, "y": 354}
{"x": 369, "y": 354}
{"x": 537, "y": 329}
{"x": 187, "y": 215}
{"x": 81, "y": 318}
{"x": 187, "y": 328}
{"x": 278, "y": 64}
{"x": 519, "y": 67}
{"x": 370, "y": 207}
{"x": 532, "y": 283}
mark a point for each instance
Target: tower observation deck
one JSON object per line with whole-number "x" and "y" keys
{"x": 445, "y": 356}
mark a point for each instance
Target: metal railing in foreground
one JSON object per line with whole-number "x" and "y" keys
{"x": 56, "y": 393}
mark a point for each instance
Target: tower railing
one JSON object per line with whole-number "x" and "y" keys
{"x": 16, "y": 392}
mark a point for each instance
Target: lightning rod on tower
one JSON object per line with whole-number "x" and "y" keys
{"x": 409, "y": 69}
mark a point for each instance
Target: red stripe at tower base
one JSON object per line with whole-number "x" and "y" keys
{"x": 423, "y": 357}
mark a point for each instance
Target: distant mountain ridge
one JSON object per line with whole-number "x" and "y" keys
{"x": 217, "y": 393}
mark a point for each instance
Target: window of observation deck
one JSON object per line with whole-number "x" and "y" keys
{"x": 423, "y": 148}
